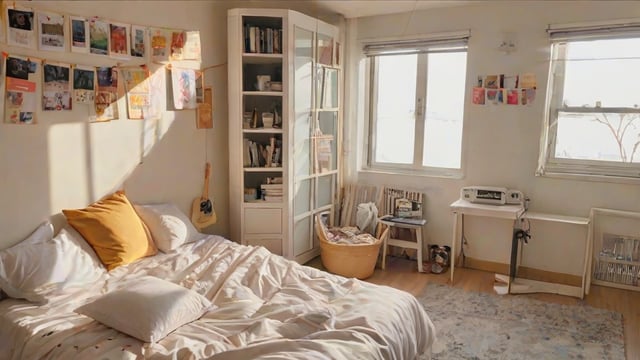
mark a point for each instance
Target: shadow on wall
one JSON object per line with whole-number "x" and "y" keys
{"x": 66, "y": 162}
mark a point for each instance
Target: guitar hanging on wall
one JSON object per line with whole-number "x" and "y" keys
{"x": 202, "y": 212}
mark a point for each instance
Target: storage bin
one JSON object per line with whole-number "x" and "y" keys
{"x": 349, "y": 260}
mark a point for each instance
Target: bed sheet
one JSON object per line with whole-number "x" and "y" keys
{"x": 266, "y": 307}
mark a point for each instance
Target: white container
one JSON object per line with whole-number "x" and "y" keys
{"x": 267, "y": 119}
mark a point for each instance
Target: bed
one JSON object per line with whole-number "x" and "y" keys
{"x": 262, "y": 306}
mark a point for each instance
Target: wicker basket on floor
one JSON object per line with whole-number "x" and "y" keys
{"x": 349, "y": 260}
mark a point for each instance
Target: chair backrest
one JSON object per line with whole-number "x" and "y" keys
{"x": 393, "y": 194}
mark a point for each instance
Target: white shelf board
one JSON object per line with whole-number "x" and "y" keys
{"x": 263, "y": 169}
{"x": 262, "y": 93}
{"x": 557, "y": 218}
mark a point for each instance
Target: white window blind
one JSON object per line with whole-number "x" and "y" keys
{"x": 441, "y": 43}
{"x": 605, "y": 31}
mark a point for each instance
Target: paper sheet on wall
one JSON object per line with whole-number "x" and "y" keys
{"x": 79, "y": 34}
{"x": 20, "y": 91}
{"x": 56, "y": 87}
{"x": 51, "y": 34}
{"x": 84, "y": 78}
{"x": 183, "y": 83}
{"x": 136, "y": 86}
{"x": 20, "y": 28}
{"x": 106, "y": 94}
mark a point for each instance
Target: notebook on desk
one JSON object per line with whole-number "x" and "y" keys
{"x": 410, "y": 221}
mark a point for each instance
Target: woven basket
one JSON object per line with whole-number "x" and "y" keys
{"x": 349, "y": 260}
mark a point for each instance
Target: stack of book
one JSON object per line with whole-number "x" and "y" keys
{"x": 262, "y": 40}
{"x": 271, "y": 192}
{"x": 262, "y": 155}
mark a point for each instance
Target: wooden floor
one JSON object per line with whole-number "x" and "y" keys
{"x": 403, "y": 274}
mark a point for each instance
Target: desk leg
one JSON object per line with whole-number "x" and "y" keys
{"x": 419, "y": 241}
{"x": 454, "y": 241}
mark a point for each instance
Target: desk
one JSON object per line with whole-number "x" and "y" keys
{"x": 417, "y": 245}
{"x": 514, "y": 285}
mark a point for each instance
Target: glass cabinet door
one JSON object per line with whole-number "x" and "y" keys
{"x": 302, "y": 97}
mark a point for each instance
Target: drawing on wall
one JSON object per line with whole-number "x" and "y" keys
{"x": 138, "y": 41}
{"x": 159, "y": 42}
{"x": 157, "y": 94}
{"x": 183, "y": 83}
{"x": 136, "y": 86}
{"x": 106, "y": 94}
{"x": 491, "y": 82}
{"x": 20, "y": 91}
{"x": 51, "y": 32}
{"x": 98, "y": 37}
{"x": 84, "y": 84}
{"x": 512, "y": 97}
{"x": 185, "y": 45}
{"x": 79, "y": 34}
{"x": 119, "y": 40}
{"x": 20, "y": 29}
{"x": 478, "y": 95}
{"x": 56, "y": 89}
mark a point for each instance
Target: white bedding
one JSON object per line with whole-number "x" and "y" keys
{"x": 265, "y": 307}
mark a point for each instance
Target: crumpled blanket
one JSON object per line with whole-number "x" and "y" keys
{"x": 349, "y": 235}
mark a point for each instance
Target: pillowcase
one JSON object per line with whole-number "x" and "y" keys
{"x": 147, "y": 308}
{"x": 44, "y": 232}
{"x": 113, "y": 229}
{"x": 169, "y": 226}
{"x": 37, "y": 271}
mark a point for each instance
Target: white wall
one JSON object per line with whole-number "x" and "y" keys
{"x": 500, "y": 144}
{"x": 66, "y": 162}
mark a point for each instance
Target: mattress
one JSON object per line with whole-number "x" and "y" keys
{"x": 265, "y": 307}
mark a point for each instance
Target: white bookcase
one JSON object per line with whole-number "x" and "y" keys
{"x": 284, "y": 62}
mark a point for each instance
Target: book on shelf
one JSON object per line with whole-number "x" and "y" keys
{"x": 274, "y": 180}
{"x": 262, "y": 155}
{"x": 273, "y": 198}
{"x": 265, "y": 40}
{"x": 277, "y": 186}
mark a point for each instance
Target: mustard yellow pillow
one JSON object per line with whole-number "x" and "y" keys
{"x": 113, "y": 229}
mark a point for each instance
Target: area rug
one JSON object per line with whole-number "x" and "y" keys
{"x": 471, "y": 325}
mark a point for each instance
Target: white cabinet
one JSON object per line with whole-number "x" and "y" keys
{"x": 284, "y": 128}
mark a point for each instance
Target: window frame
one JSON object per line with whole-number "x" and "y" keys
{"x": 595, "y": 170}
{"x": 371, "y": 89}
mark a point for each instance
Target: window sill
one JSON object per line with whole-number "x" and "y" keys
{"x": 453, "y": 174}
{"x": 593, "y": 178}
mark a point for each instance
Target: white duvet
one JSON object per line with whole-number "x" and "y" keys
{"x": 266, "y": 307}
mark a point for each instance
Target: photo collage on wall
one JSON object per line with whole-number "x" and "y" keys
{"x": 505, "y": 89}
{"x": 59, "y": 85}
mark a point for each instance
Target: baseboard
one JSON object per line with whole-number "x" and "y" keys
{"x": 524, "y": 272}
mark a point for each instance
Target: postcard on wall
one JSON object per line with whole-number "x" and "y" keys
{"x": 204, "y": 118}
{"x": 20, "y": 28}
{"x": 528, "y": 80}
{"x": 478, "y": 96}
{"x": 491, "y": 81}
{"x": 183, "y": 83}
{"x": 119, "y": 40}
{"x": 512, "y": 96}
{"x": 509, "y": 81}
{"x": 192, "y": 49}
{"x": 79, "y": 34}
{"x": 84, "y": 84}
{"x": 159, "y": 45}
{"x": 106, "y": 94}
{"x": 138, "y": 41}
{"x": 56, "y": 89}
{"x": 20, "y": 91}
{"x": 98, "y": 37}
{"x": 492, "y": 96}
{"x": 51, "y": 32}
{"x": 528, "y": 96}
{"x": 136, "y": 85}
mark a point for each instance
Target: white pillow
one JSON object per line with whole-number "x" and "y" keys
{"x": 169, "y": 226}
{"x": 37, "y": 271}
{"x": 147, "y": 308}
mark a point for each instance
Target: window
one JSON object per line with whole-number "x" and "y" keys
{"x": 416, "y": 103}
{"x": 592, "y": 127}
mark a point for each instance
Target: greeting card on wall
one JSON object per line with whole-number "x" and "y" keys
{"x": 98, "y": 37}
{"x": 119, "y": 40}
{"x": 20, "y": 28}
{"x": 106, "y": 94}
{"x": 20, "y": 91}
{"x": 138, "y": 41}
{"x": 79, "y": 34}
{"x": 51, "y": 32}
{"x": 56, "y": 89}
{"x": 159, "y": 45}
{"x": 83, "y": 84}
{"x": 183, "y": 83}
{"x": 137, "y": 89}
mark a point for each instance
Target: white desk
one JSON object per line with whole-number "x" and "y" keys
{"x": 514, "y": 285}
{"x": 417, "y": 245}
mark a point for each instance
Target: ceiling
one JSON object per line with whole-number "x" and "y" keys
{"x": 360, "y": 8}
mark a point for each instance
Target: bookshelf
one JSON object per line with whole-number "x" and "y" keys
{"x": 284, "y": 128}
